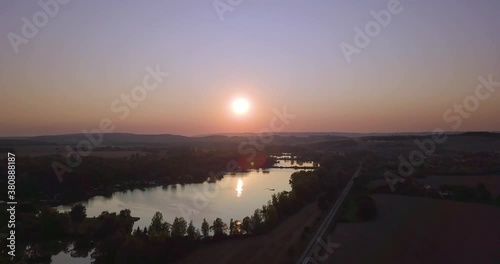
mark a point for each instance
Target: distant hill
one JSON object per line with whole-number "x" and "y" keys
{"x": 334, "y": 134}
{"x": 8, "y": 142}
{"x": 279, "y": 138}
{"x": 291, "y": 134}
{"x": 406, "y": 136}
{"x": 108, "y": 138}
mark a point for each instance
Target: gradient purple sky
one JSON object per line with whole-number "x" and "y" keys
{"x": 276, "y": 53}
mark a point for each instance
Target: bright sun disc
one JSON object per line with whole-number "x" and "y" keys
{"x": 240, "y": 106}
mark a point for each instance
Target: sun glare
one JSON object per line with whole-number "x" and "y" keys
{"x": 240, "y": 106}
{"x": 239, "y": 187}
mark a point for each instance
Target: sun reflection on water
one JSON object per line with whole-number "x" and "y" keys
{"x": 239, "y": 187}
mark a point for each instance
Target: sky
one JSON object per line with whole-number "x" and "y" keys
{"x": 276, "y": 54}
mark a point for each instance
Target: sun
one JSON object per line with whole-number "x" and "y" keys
{"x": 240, "y": 106}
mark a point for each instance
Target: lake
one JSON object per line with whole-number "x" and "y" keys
{"x": 234, "y": 196}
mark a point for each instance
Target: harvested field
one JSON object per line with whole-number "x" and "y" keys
{"x": 492, "y": 182}
{"x": 421, "y": 230}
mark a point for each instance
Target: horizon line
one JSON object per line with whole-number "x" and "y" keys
{"x": 243, "y": 133}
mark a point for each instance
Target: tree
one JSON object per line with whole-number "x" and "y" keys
{"x": 237, "y": 228}
{"x": 191, "y": 231}
{"x": 51, "y": 221}
{"x": 167, "y": 229}
{"x": 219, "y": 227}
{"x": 247, "y": 225}
{"x": 179, "y": 227}
{"x": 257, "y": 221}
{"x": 78, "y": 213}
{"x": 103, "y": 214}
{"x": 158, "y": 228}
{"x": 125, "y": 213}
{"x": 157, "y": 223}
{"x": 232, "y": 227}
{"x": 305, "y": 184}
{"x": 205, "y": 229}
{"x": 137, "y": 232}
{"x": 274, "y": 200}
{"x": 271, "y": 216}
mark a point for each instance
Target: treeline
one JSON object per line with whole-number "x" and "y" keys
{"x": 478, "y": 194}
{"x": 97, "y": 175}
{"x": 461, "y": 193}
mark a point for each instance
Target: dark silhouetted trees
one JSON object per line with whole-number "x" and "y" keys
{"x": 205, "y": 228}
{"x": 192, "y": 233}
{"x": 246, "y": 225}
{"x": 78, "y": 213}
{"x": 305, "y": 184}
{"x": 219, "y": 228}
{"x": 179, "y": 227}
{"x": 158, "y": 228}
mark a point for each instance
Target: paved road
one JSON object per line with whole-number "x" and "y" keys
{"x": 307, "y": 255}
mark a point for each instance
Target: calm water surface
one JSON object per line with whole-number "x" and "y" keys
{"x": 235, "y": 196}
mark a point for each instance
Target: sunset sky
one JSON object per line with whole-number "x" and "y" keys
{"x": 275, "y": 54}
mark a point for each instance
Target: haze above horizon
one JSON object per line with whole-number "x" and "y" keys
{"x": 203, "y": 75}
